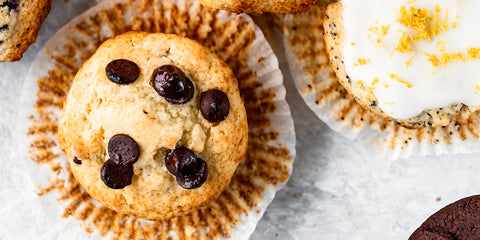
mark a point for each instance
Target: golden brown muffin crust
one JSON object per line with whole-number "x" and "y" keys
{"x": 260, "y": 6}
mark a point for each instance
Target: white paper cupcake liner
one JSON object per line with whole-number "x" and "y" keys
{"x": 67, "y": 208}
{"x": 331, "y": 102}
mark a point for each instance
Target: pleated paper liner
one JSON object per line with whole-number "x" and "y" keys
{"x": 234, "y": 38}
{"x": 318, "y": 85}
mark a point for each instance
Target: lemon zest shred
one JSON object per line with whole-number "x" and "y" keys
{"x": 424, "y": 25}
{"x": 390, "y": 113}
{"x": 432, "y": 58}
{"x": 442, "y": 46}
{"x": 372, "y": 88}
{"x": 368, "y": 89}
{"x": 389, "y": 103}
{"x": 444, "y": 58}
{"x": 386, "y": 85}
{"x": 407, "y": 63}
{"x": 385, "y": 30}
{"x": 417, "y": 19}
{"x": 380, "y": 32}
{"x": 473, "y": 53}
{"x": 400, "y": 80}
{"x": 404, "y": 43}
{"x": 361, "y": 62}
{"x": 477, "y": 88}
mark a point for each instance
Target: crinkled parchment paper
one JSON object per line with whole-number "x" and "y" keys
{"x": 70, "y": 212}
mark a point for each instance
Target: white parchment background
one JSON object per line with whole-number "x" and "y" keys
{"x": 344, "y": 191}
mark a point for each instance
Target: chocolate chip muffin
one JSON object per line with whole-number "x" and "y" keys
{"x": 154, "y": 125}
{"x": 260, "y": 6}
{"x": 20, "y": 21}
{"x": 457, "y": 221}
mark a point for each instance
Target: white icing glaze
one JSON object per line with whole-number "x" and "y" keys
{"x": 456, "y": 82}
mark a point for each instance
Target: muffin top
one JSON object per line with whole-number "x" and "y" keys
{"x": 260, "y": 6}
{"x": 409, "y": 57}
{"x": 154, "y": 125}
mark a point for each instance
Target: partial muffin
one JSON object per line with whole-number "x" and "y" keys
{"x": 20, "y": 21}
{"x": 457, "y": 221}
{"x": 154, "y": 125}
{"x": 415, "y": 63}
{"x": 260, "y": 6}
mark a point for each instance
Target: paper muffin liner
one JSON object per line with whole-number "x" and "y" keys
{"x": 71, "y": 212}
{"x": 317, "y": 84}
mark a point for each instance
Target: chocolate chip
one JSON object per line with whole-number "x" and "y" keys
{"x": 190, "y": 171}
{"x": 181, "y": 160}
{"x": 196, "y": 180}
{"x": 123, "y": 150}
{"x": 122, "y": 71}
{"x": 214, "y": 105}
{"x": 116, "y": 176}
{"x": 77, "y": 161}
{"x": 172, "y": 84}
{"x": 4, "y": 27}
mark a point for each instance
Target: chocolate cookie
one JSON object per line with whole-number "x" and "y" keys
{"x": 457, "y": 221}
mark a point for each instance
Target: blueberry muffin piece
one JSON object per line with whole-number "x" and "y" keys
{"x": 154, "y": 125}
{"x": 20, "y": 21}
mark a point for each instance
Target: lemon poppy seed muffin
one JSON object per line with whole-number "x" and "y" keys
{"x": 412, "y": 62}
{"x": 154, "y": 125}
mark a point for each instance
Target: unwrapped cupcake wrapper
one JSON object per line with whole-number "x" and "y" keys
{"x": 67, "y": 211}
{"x": 317, "y": 84}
